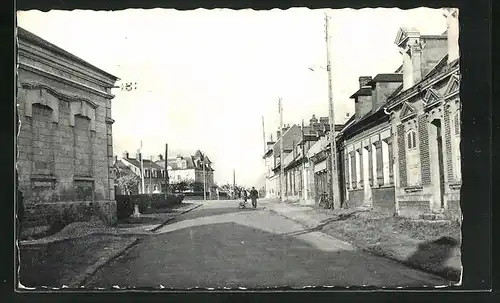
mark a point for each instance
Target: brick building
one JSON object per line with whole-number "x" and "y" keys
{"x": 65, "y": 152}
{"x": 425, "y": 121}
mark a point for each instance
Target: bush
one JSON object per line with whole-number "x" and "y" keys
{"x": 125, "y": 203}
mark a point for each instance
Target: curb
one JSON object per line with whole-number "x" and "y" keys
{"x": 452, "y": 275}
{"x": 82, "y": 279}
{"x": 171, "y": 219}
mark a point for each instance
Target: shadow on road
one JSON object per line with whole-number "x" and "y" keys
{"x": 321, "y": 225}
{"x": 231, "y": 255}
{"x": 435, "y": 254}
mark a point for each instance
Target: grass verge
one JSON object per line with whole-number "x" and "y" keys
{"x": 427, "y": 245}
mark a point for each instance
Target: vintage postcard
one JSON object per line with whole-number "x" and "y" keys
{"x": 238, "y": 149}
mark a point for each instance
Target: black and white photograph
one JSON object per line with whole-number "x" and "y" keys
{"x": 238, "y": 149}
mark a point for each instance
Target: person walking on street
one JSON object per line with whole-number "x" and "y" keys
{"x": 245, "y": 195}
{"x": 254, "y": 195}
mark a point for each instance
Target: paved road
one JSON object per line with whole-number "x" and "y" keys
{"x": 219, "y": 245}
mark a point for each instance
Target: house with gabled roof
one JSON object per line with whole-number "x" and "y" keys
{"x": 425, "y": 121}
{"x": 154, "y": 174}
{"x": 196, "y": 168}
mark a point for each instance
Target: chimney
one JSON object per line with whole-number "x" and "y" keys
{"x": 452, "y": 33}
{"x": 408, "y": 41}
{"x": 138, "y": 156}
{"x": 313, "y": 121}
{"x": 278, "y": 135}
{"x": 420, "y": 53}
{"x": 363, "y": 80}
{"x": 382, "y": 86}
{"x": 116, "y": 159}
{"x": 126, "y": 155}
{"x": 160, "y": 156}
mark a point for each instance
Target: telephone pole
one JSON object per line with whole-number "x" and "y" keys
{"x": 265, "y": 150}
{"x": 282, "y": 169}
{"x": 335, "y": 203}
{"x": 167, "y": 181}
{"x": 234, "y": 183}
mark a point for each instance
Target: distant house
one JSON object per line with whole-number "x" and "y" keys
{"x": 154, "y": 174}
{"x": 196, "y": 168}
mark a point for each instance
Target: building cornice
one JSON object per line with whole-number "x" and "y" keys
{"x": 63, "y": 65}
{"x": 56, "y": 93}
{"x": 64, "y": 80}
{"x": 26, "y": 38}
{"x": 419, "y": 88}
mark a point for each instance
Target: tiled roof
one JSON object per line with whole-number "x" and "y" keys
{"x": 364, "y": 91}
{"x": 146, "y": 163}
{"x": 442, "y": 63}
{"x": 386, "y": 78}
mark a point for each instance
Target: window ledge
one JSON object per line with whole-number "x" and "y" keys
{"x": 412, "y": 189}
{"x": 43, "y": 177}
{"x": 77, "y": 178}
{"x": 456, "y": 185}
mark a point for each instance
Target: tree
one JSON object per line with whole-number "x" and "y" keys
{"x": 180, "y": 186}
{"x": 126, "y": 181}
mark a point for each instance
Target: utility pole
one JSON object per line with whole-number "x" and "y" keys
{"x": 264, "y": 135}
{"x": 167, "y": 181}
{"x": 234, "y": 183}
{"x": 204, "y": 180}
{"x": 265, "y": 150}
{"x": 142, "y": 169}
{"x": 335, "y": 203}
{"x": 150, "y": 173}
{"x": 282, "y": 169}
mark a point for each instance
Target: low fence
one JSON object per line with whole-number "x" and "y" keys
{"x": 125, "y": 203}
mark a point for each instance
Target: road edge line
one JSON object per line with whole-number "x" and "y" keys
{"x": 80, "y": 281}
{"x": 153, "y": 230}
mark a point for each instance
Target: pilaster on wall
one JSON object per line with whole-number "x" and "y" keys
{"x": 401, "y": 155}
{"x": 380, "y": 162}
{"x": 370, "y": 165}
{"x": 424, "y": 150}
{"x": 354, "y": 182}
{"x": 448, "y": 145}
{"x": 360, "y": 153}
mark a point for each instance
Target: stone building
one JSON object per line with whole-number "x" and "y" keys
{"x": 65, "y": 153}
{"x": 425, "y": 122}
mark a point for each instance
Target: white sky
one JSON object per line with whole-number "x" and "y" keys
{"x": 205, "y": 78}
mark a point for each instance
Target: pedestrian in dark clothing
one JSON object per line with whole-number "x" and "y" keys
{"x": 245, "y": 195}
{"x": 254, "y": 195}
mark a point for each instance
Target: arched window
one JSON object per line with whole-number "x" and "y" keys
{"x": 411, "y": 140}
{"x": 412, "y": 159}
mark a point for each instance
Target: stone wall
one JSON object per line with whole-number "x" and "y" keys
{"x": 356, "y": 198}
{"x": 66, "y": 212}
{"x": 383, "y": 200}
{"x": 65, "y": 140}
{"x": 413, "y": 209}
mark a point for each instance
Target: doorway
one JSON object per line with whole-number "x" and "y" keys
{"x": 439, "y": 144}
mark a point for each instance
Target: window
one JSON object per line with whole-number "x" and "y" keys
{"x": 412, "y": 158}
{"x": 146, "y": 173}
{"x": 411, "y": 139}
{"x": 154, "y": 174}
{"x": 163, "y": 173}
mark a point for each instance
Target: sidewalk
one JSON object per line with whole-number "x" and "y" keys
{"x": 145, "y": 225}
{"x": 70, "y": 256}
{"x": 426, "y": 245}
